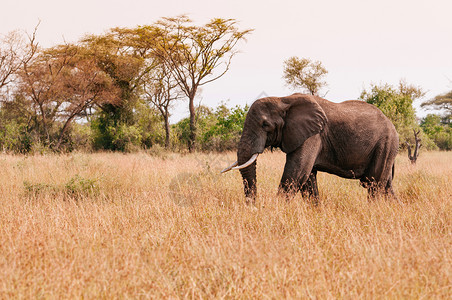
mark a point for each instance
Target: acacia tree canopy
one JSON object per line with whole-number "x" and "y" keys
{"x": 441, "y": 102}
{"x": 303, "y": 73}
{"x": 196, "y": 55}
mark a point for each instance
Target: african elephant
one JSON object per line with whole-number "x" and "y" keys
{"x": 352, "y": 139}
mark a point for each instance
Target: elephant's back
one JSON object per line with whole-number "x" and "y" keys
{"x": 360, "y": 108}
{"x": 357, "y": 113}
{"x": 359, "y": 125}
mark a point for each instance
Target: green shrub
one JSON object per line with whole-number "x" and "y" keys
{"x": 75, "y": 187}
{"x": 78, "y": 186}
{"x": 438, "y": 131}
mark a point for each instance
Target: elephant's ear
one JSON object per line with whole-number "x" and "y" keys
{"x": 304, "y": 118}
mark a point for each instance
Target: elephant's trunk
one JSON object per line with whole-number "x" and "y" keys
{"x": 249, "y": 181}
{"x": 244, "y": 153}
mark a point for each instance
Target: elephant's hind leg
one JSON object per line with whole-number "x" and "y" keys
{"x": 389, "y": 191}
{"x": 378, "y": 177}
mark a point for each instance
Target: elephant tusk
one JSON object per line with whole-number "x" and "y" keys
{"x": 249, "y": 162}
{"x": 230, "y": 167}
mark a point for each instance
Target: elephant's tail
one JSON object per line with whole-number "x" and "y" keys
{"x": 393, "y": 170}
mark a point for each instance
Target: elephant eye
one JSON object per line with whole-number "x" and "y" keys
{"x": 265, "y": 124}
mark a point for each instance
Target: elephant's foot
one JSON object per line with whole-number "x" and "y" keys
{"x": 250, "y": 201}
{"x": 288, "y": 191}
{"x": 314, "y": 200}
{"x": 376, "y": 191}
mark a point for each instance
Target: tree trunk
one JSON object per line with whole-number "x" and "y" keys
{"x": 167, "y": 131}
{"x": 413, "y": 158}
{"x": 63, "y": 131}
{"x": 44, "y": 124}
{"x": 192, "y": 137}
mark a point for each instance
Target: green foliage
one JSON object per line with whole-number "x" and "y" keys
{"x": 150, "y": 124}
{"x": 116, "y": 136}
{"x": 431, "y": 124}
{"x": 142, "y": 129}
{"x": 394, "y": 103}
{"x": 75, "y": 188}
{"x": 78, "y": 186}
{"x": 35, "y": 189}
{"x": 181, "y": 130}
{"x": 225, "y": 133}
{"x": 126, "y": 138}
{"x": 205, "y": 119}
{"x": 102, "y": 127}
{"x": 16, "y": 125}
{"x": 440, "y": 132}
{"x": 14, "y": 137}
{"x": 79, "y": 138}
{"x": 218, "y": 130}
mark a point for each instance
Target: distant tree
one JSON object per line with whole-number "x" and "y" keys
{"x": 441, "y": 102}
{"x": 14, "y": 52}
{"x": 302, "y": 73}
{"x": 437, "y": 130}
{"x": 161, "y": 90}
{"x": 431, "y": 124}
{"x": 196, "y": 55}
{"x": 84, "y": 85}
{"x": 116, "y": 53}
{"x": 62, "y": 83}
{"x": 17, "y": 124}
{"x": 417, "y": 145}
{"x": 40, "y": 81}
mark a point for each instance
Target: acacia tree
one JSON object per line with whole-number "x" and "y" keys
{"x": 61, "y": 84}
{"x": 441, "y": 102}
{"x": 123, "y": 60}
{"x": 40, "y": 81}
{"x": 196, "y": 55}
{"x": 115, "y": 56}
{"x": 305, "y": 74}
{"x": 83, "y": 86}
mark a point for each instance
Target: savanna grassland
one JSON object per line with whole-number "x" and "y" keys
{"x": 169, "y": 225}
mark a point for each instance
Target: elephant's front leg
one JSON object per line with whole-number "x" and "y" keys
{"x": 310, "y": 188}
{"x": 299, "y": 164}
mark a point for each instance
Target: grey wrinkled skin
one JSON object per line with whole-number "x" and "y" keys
{"x": 352, "y": 139}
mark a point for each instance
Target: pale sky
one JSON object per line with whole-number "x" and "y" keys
{"x": 358, "y": 41}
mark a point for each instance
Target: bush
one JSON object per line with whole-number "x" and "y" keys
{"x": 438, "y": 131}
{"x": 443, "y": 140}
{"x": 14, "y": 138}
{"x": 110, "y": 134}
{"x": 216, "y": 131}
{"x": 225, "y": 134}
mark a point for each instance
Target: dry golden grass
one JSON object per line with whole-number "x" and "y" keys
{"x": 140, "y": 226}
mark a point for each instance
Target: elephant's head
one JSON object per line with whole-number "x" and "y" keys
{"x": 275, "y": 122}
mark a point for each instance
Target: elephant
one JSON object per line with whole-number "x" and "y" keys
{"x": 351, "y": 139}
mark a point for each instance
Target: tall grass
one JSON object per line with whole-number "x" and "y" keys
{"x": 139, "y": 226}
